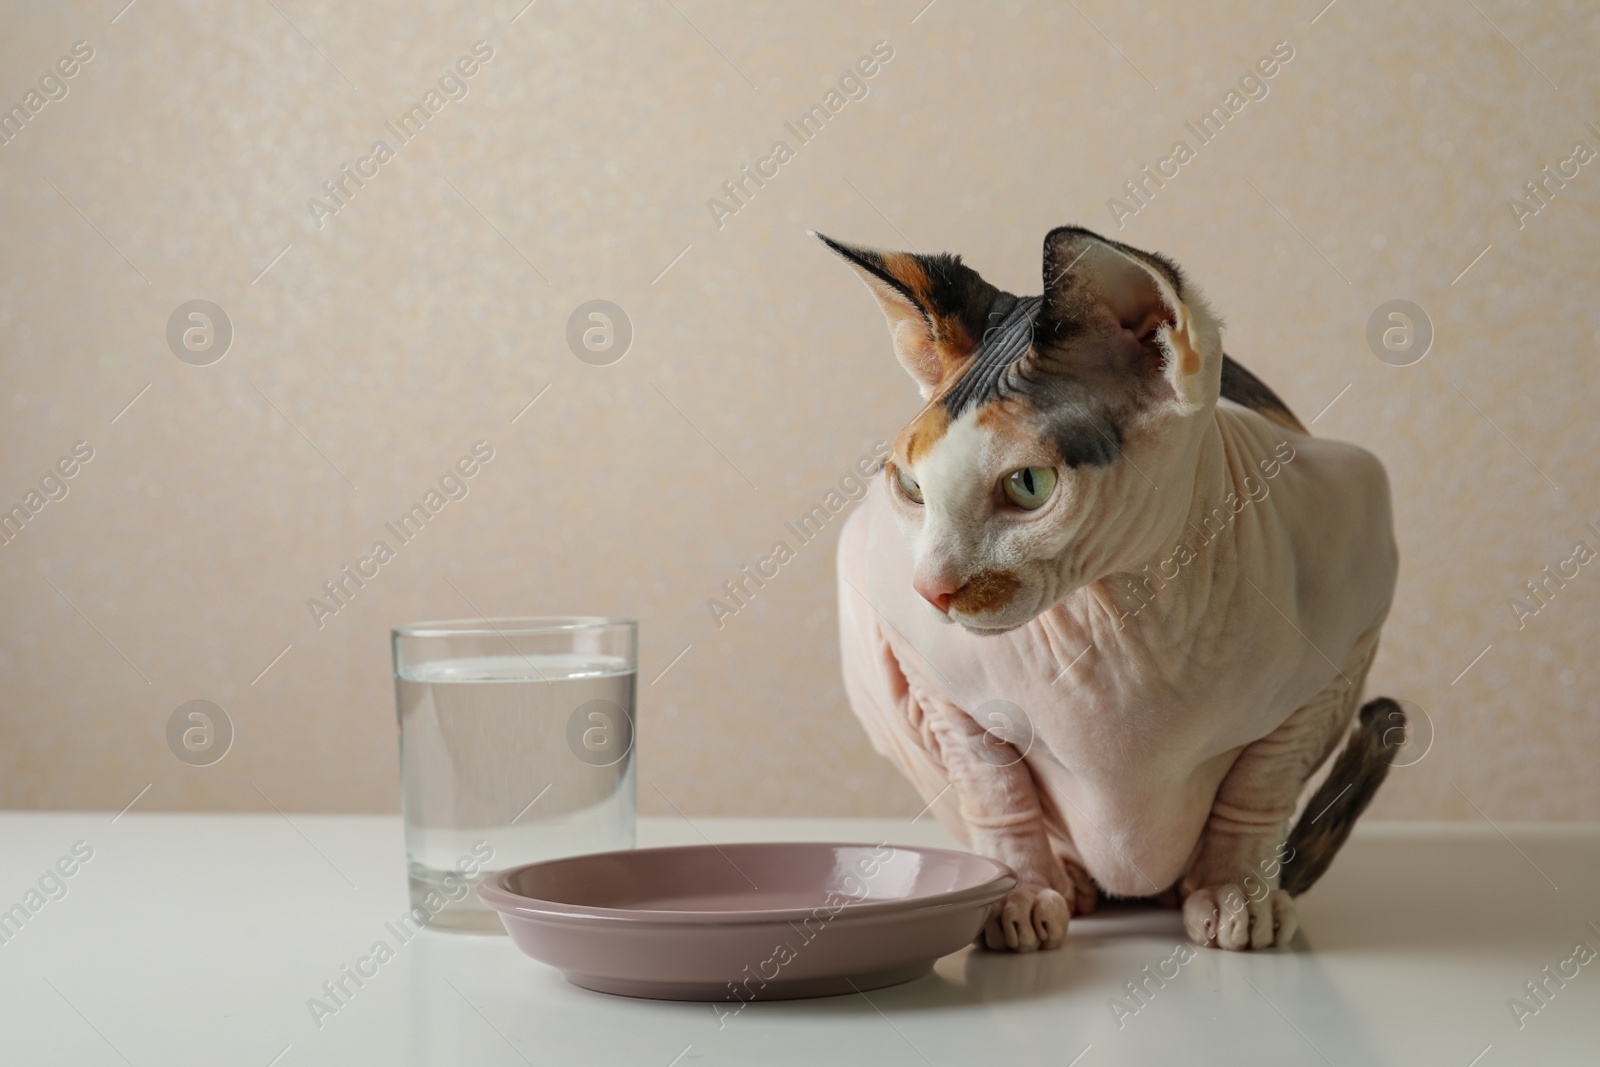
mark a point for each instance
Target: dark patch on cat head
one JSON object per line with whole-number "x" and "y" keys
{"x": 1085, "y": 429}
{"x": 1082, "y": 359}
{"x": 1007, "y": 341}
{"x": 1097, "y": 340}
{"x": 1062, "y": 412}
{"x": 1076, "y": 365}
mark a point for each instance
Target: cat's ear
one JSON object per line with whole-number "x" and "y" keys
{"x": 935, "y": 304}
{"x": 1116, "y": 311}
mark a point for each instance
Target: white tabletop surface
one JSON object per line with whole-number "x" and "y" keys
{"x": 198, "y": 939}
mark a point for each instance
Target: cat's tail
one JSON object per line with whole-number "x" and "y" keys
{"x": 1344, "y": 795}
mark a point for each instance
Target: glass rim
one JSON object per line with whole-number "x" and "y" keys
{"x": 512, "y": 625}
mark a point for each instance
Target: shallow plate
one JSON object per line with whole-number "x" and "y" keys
{"x": 747, "y": 922}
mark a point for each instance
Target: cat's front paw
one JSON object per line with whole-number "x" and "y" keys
{"x": 1224, "y": 916}
{"x": 1031, "y": 917}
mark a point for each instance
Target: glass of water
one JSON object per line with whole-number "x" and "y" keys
{"x": 516, "y": 745}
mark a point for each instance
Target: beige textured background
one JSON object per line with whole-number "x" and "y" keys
{"x": 429, "y": 311}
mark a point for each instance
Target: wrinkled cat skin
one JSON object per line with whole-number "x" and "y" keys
{"x": 1186, "y": 623}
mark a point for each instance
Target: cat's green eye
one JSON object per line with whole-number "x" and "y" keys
{"x": 1030, "y": 487}
{"x": 908, "y": 484}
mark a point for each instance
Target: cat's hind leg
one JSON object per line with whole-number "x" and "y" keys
{"x": 1085, "y": 895}
{"x": 1233, "y": 897}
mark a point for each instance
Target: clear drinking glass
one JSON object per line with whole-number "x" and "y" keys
{"x": 516, "y": 745}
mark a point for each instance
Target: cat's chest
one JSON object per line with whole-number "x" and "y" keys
{"x": 1098, "y": 700}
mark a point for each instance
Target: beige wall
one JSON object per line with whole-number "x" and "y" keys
{"x": 428, "y": 311}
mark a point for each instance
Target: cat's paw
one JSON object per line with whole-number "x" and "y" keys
{"x": 1223, "y": 916}
{"x": 1031, "y": 917}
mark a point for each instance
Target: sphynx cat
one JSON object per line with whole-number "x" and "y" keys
{"x": 1113, "y": 598}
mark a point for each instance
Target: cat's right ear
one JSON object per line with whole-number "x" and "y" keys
{"x": 935, "y": 305}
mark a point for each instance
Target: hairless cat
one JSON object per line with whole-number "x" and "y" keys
{"x": 1110, "y": 606}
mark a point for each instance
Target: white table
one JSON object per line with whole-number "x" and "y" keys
{"x": 198, "y": 939}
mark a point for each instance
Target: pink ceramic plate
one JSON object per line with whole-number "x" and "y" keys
{"x": 747, "y": 922}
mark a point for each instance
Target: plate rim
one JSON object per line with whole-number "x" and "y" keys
{"x": 511, "y": 904}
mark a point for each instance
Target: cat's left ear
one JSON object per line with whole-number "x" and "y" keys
{"x": 936, "y": 306}
{"x": 1137, "y": 305}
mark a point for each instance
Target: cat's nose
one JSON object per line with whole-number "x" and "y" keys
{"x": 936, "y": 590}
